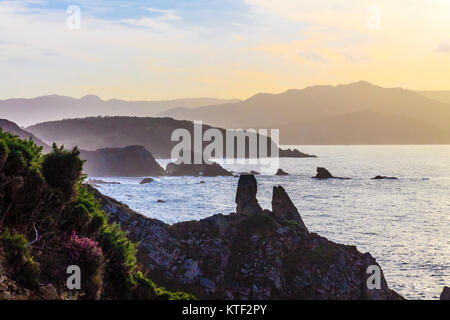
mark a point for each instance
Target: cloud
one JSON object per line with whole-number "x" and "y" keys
{"x": 167, "y": 15}
{"x": 355, "y": 58}
{"x": 313, "y": 56}
{"x": 444, "y": 48}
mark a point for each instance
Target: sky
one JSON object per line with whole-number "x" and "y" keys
{"x": 166, "y": 49}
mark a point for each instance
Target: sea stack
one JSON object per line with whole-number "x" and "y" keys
{"x": 323, "y": 173}
{"x": 246, "y": 202}
{"x": 282, "y": 207}
{"x": 280, "y": 172}
{"x": 445, "y": 295}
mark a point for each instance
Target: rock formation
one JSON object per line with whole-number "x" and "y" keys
{"x": 246, "y": 202}
{"x": 323, "y": 174}
{"x": 445, "y": 295}
{"x": 196, "y": 170}
{"x": 280, "y": 172}
{"x": 132, "y": 161}
{"x": 384, "y": 178}
{"x": 146, "y": 181}
{"x": 282, "y": 207}
{"x": 253, "y": 254}
{"x": 294, "y": 153}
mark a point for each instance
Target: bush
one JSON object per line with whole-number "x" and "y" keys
{"x": 62, "y": 170}
{"x": 121, "y": 256}
{"x": 18, "y": 258}
{"x": 3, "y": 153}
{"x": 86, "y": 253}
{"x": 145, "y": 289}
{"x": 76, "y": 217}
{"x": 20, "y": 154}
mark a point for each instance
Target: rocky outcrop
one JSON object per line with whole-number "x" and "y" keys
{"x": 282, "y": 207}
{"x": 384, "y": 178}
{"x": 132, "y": 161}
{"x": 146, "y": 181}
{"x": 253, "y": 254}
{"x": 445, "y": 295}
{"x": 196, "y": 170}
{"x": 323, "y": 174}
{"x": 246, "y": 202}
{"x": 280, "y": 172}
{"x": 294, "y": 153}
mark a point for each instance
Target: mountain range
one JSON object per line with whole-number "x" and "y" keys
{"x": 355, "y": 113}
{"x": 26, "y": 112}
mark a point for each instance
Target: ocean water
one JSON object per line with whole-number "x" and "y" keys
{"x": 404, "y": 223}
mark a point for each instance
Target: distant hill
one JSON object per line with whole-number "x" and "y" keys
{"x": 9, "y": 126}
{"x": 53, "y": 107}
{"x": 365, "y": 128}
{"x": 441, "y": 96}
{"x": 298, "y": 112}
{"x": 117, "y": 132}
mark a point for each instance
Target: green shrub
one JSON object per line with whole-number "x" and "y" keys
{"x": 76, "y": 218}
{"x": 21, "y": 154}
{"x": 62, "y": 170}
{"x": 120, "y": 253}
{"x": 3, "y": 153}
{"x": 145, "y": 289}
{"x": 18, "y": 258}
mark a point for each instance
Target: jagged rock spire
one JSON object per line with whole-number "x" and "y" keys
{"x": 283, "y": 207}
{"x": 246, "y": 202}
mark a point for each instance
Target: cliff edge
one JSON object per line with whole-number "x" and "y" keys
{"x": 251, "y": 254}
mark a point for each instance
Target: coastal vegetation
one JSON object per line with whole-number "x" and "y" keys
{"x": 49, "y": 220}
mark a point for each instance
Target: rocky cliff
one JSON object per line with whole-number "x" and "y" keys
{"x": 251, "y": 254}
{"x": 132, "y": 161}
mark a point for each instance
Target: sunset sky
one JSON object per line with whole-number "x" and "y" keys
{"x": 220, "y": 48}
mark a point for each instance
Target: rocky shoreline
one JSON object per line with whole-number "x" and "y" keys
{"x": 251, "y": 254}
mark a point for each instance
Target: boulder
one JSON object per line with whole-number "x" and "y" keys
{"x": 196, "y": 170}
{"x": 384, "y": 178}
{"x": 323, "y": 174}
{"x": 281, "y": 173}
{"x": 146, "y": 181}
{"x": 445, "y": 295}
{"x": 246, "y": 202}
{"x": 282, "y": 207}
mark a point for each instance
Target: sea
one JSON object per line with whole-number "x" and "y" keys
{"x": 403, "y": 223}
